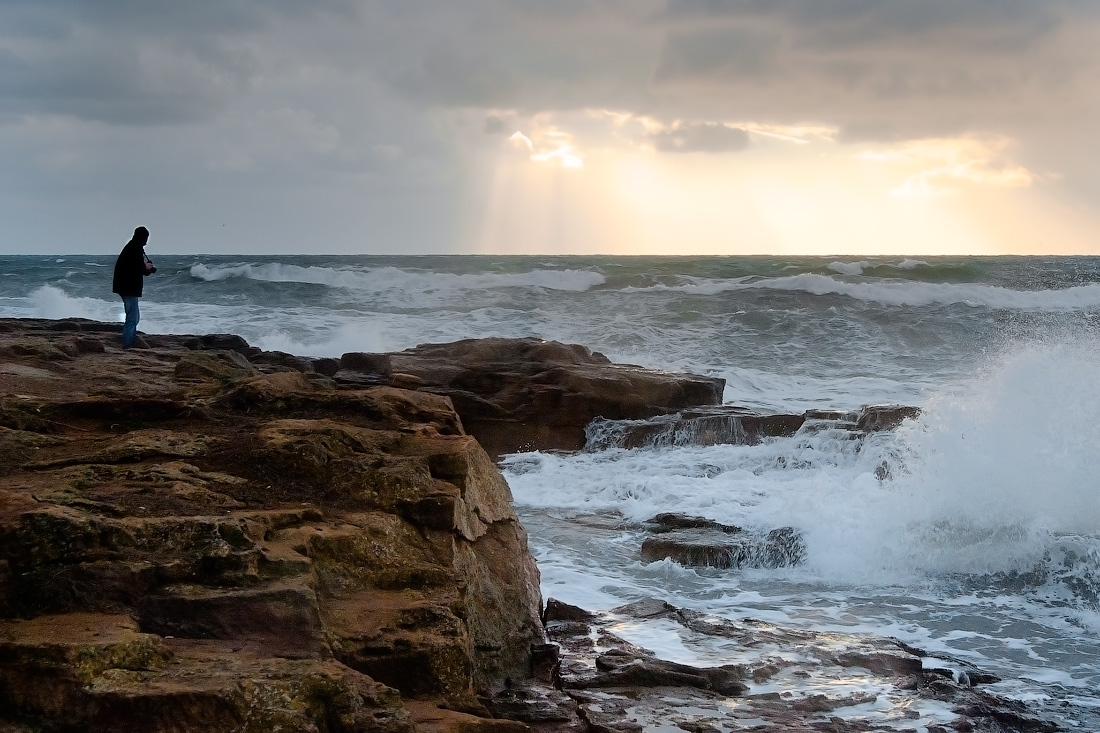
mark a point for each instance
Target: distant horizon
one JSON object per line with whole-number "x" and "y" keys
{"x": 153, "y": 254}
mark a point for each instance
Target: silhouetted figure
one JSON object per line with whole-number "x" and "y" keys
{"x": 131, "y": 267}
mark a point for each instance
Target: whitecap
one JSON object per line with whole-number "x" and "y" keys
{"x": 49, "y": 301}
{"x": 849, "y": 268}
{"x": 402, "y": 284}
{"x": 910, "y": 264}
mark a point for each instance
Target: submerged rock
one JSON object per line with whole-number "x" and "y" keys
{"x": 732, "y": 425}
{"x": 771, "y": 679}
{"x": 701, "y": 542}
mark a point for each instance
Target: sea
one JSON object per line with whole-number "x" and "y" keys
{"x": 980, "y": 544}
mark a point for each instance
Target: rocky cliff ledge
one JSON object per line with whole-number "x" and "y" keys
{"x": 197, "y": 535}
{"x": 529, "y": 394}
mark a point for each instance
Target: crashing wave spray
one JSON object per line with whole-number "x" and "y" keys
{"x": 997, "y": 478}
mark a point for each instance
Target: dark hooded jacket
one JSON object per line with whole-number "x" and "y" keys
{"x": 130, "y": 265}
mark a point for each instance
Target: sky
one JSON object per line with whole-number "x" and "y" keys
{"x": 551, "y": 126}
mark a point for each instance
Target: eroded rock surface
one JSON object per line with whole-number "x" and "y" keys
{"x": 529, "y": 394}
{"x": 732, "y": 425}
{"x": 701, "y": 542}
{"x": 768, "y": 679}
{"x": 198, "y": 535}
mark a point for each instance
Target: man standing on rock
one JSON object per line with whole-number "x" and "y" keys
{"x": 131, "y": 267}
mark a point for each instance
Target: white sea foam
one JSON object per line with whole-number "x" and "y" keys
{"x": 417, "y": 284}
{"x": 986, "y": 481}
{"x": 50, "y": 301}
{"x": 905, "y": 292}
{"x": 910, "y": 264}
{"x": 998, "y": 480}
{"x": 991, "y": 478}
{"x": 849, "y": 268}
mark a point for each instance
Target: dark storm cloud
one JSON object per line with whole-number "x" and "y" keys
{"x": 890, "y": 19}
{"x": 161, "y": 17}
{"x": 701, "y": 138}
{"x": 116, "y": 85}
{"x": 779, "y": 60}
{"x": 879, "y": 69}
{"x": 136, "y": 61}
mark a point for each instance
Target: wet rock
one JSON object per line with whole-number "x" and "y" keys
{"x": 645, "y": 608}
{"x": 723, "y": 548}
{"x": 829, "y": 680}
{"x": 671, "y": 521}
{"x": 732, "y": 425}
{"x": 885, "y": 417}
{"x": 718, "y": 425}
{"x": 884, "y": 662}
{"x": 544, "y": 661}
{"x": 1011, "y": 715}
{"x": 533, "y": 705}
{"x": 825, "y": 704}
{"x": 557, "y": 611}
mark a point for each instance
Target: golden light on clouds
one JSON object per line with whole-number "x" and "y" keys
{"x": 553, "y": 147}
{"x": 942, "y": 165}
{"x": 610, "y": 182}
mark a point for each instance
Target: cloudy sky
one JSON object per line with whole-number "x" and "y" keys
{"x": 551, "y": 126}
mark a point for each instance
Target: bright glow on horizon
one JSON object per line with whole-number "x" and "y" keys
{"x": 791, "y": 191}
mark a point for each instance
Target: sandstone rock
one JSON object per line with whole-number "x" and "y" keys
{"x": 273, "y": 550}
{"x": 221, "y": 341}
{"x": 528, "y": 394}
{"x": 98, "y": 673}
{"x": 281, "y": 360}
{"x": 406, "y": 381}
{"x": 288, "y": 554}
{"x": 281, "y": 617}
{"x": 221, "y": 366}
{"x": 19, "y": 446}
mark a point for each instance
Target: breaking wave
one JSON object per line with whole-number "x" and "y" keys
{"x": 49, "y": 301}
{"x": 392, "y": 278}
{"x": 908, "y": 293}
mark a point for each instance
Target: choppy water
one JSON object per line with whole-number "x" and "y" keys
{"x": 984, "y": 544}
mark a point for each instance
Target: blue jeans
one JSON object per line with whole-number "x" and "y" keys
{"x": 133, "y": 315}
